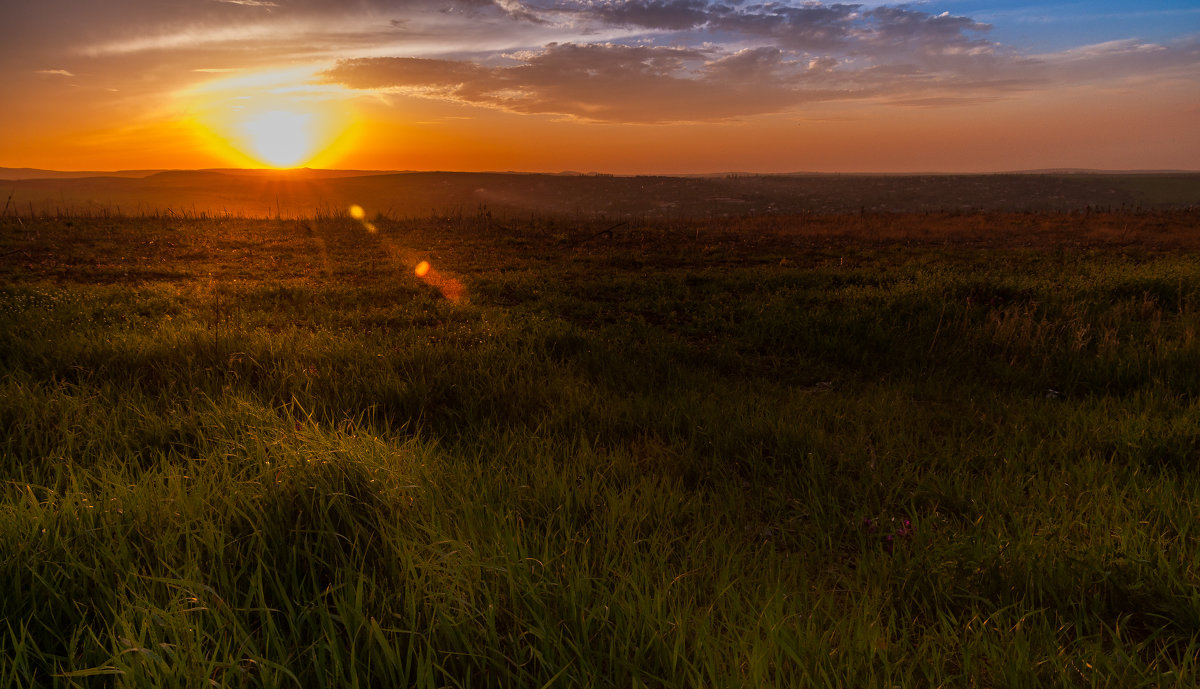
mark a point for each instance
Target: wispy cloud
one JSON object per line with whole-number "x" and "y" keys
{"x": 250, "y": 3}
{"x": 287, "y": 34}
{"x": 714, "y": 61}
{"x": 59, "y": 72}
{"x": 1113, "y": 60}
{"x": 643, "y": 84}
{"x": 191, "y": 37}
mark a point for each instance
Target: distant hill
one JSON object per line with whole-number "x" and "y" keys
{"x": 16, "y": 173}
{"x": 301, "y": 173}
{"x": 305, "y": 193}
{"x": 1089, "y": 171}
{"x": 12, "y": 173}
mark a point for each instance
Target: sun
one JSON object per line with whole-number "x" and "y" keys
{"x": 280, "y": 138}
{"x": 279, "y": 119}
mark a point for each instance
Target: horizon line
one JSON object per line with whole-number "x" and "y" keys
{"x": 597, "y": 173}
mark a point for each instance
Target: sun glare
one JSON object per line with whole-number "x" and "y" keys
{"x": 280, "y": 138}
{"x": 280, "y": 119}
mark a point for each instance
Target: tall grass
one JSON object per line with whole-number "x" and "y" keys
{"x": 265, "y": 454}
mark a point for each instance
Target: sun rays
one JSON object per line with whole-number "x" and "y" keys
{"x": 279, "y": 119}
{"x": 280, "y": 138}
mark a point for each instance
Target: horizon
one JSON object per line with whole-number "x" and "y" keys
{"x": 636, "y": 87}
{"x": 602, "y": 173}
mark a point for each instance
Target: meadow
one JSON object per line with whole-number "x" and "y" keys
{"x": 792, "y": 450}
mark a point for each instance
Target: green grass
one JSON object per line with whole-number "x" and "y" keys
{"x": 869, "y": 451}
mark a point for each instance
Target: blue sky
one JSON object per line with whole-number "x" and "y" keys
{"x": 1051, "y": 26}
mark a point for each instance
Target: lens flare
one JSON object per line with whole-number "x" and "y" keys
{"x": 357, "y": 212}
{"x": 450, "y": 287}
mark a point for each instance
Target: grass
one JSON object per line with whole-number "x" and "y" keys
{"x": 869, "y": 450}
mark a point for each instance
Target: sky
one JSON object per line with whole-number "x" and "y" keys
{"x": 634, "y": 87}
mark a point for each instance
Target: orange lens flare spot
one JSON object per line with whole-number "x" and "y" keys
{"x": 422, "y": 269}
{"x": 357, "y": 212}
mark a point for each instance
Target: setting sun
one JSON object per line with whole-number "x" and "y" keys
{"x": 280, "y": 138}
{"x": 277, "y": 118}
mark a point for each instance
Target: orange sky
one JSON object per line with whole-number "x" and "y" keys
{"x": 643, "y": 86}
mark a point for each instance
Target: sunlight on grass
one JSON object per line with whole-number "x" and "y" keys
{"x": 447, "y": 285}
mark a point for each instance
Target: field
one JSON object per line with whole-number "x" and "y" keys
{"x": 955, "y": 449}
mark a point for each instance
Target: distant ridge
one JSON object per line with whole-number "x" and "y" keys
{"x": 1091, "y": 171}
{"x": 27, "y": 173}
{"x": 302, "y": 172}
{"x": 24, "y": 173}
{"x": 11, "y": 173}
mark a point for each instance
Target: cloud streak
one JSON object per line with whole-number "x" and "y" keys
{"x": 696, "y": 61}
{"x": 692, "y": 60}
{"x": 251, "y": 3}
{"x": 608, "y": 82}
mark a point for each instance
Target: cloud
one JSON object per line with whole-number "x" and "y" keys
{"x": 1117, "y": 64}
{"x": 724, "y": 60}
{"x": 698, "y": 60}
{"x": 1125, "y": 57}
{"x": 312, "y": 30}
{"x": 609, "y": 82}
{"x": 250, "y": 3}
{"x": 335, "y": 26}
{"x": 616, "y": 60}
{"x": 804, "y": 26}
{"x": 59, "y": 72}
{"x": 519, "y": 11}
{"x": 672, "y": 15}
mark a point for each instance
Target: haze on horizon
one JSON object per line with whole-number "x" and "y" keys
{"x": 640, "y": 86}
